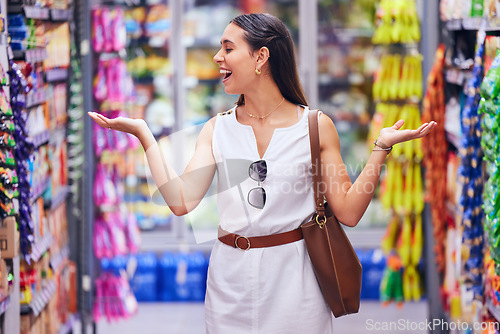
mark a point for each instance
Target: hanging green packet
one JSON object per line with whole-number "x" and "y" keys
{"x": 490, "y": 142}
{"x": 491, "y": 195}
{"x": 490, "y": 86}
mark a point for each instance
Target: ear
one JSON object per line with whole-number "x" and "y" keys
{"x": 262, "y": 55}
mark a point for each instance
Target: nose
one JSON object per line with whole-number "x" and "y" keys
{"x": 218, "y": 58}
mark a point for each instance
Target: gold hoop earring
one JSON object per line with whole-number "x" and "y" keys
{"x": 258, "y": 71}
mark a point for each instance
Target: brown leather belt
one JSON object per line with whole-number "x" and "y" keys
{"x": 245, "y": 243}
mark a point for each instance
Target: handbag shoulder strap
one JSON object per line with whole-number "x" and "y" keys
{"x": 316, "y": 160}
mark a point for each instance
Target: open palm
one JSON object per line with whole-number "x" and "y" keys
{"x": 393, "y": 135}
{"x": 120, "y": 123}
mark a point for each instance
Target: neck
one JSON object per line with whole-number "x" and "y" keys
{"x": 262, "y": 102}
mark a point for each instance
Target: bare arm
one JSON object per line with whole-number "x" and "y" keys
{"x": 181, "y": 193}
{"x": 349, "y": 200}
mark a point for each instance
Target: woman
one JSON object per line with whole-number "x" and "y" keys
{"x": 266, "y": 287}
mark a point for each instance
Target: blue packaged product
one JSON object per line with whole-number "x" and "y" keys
{"x": 15, "y": 20}
{"x": 144, "y": 281}
{"x": 167, "y": 270}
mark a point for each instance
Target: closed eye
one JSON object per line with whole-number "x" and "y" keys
{"x": 228, "y": 50}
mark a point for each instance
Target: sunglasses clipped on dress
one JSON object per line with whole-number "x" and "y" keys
{"x": 257, "y": 172}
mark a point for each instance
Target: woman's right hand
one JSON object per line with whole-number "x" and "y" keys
{"x": 124, "y": 124}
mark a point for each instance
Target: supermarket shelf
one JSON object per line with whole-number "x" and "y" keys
{"x": 41, "y": 13}
{"x": 4, "y": 304}
{"x": 494, "y": 310}
{"x": 474, "y": 23}
{"x": 67, "y": 327}
{"x": 31, "y": 12}
{"x": 60, "y": 14}
{"x": 36, "y": 98}
{"x": 33, "y": 99}
{"x": 58, "y": 134}
{"x": 40, "y": 247}
{"x": 194, "y": 42}
{"x": 56, "y": 74}
{"x": 40, "y": 300}
{"x": 41, "y": 138}
{"x": 192, "y": 81}
{"x": 328, "y": 80}
{"x": 31, "y": 56}
{"x": 58, "y": 260}
{"x": 365, "y": 238}
{"x": 38, "y": 189}
{"x": 59, "y": 197}
{"x": 347, "y": 36}
{"x": 153, "y": 42}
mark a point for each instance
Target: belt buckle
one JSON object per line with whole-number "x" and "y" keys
{"x": 236, "y": 242}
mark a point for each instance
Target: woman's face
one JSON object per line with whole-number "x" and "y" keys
{"x": 236, "y": 61}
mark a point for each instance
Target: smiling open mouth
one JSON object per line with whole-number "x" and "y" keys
{"x": 226, "y": 73}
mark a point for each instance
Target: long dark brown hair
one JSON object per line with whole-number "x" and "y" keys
{"x": 267, "y": 30}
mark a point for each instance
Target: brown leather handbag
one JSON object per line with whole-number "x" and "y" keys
{"x": 334, "y": 261}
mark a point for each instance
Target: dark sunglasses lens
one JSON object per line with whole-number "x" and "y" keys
{"x": 257, "y": 197}
{"x": 258, "y": 170}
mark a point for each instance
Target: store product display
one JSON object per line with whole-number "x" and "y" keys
{"x": 398, "y": 78}
{"x": 398, "y": 88}
{"x": 32, "y": 140}
{"x": 170, "y": 276}
{"x": 435, "y": 149}
{"x": 8, "y": 175}
{"x": 114, "y": 298}
{"x": 75, "y": 137}
{"x": 488, "y": 111}
{"x": 398, "y": 22}
{"x": 108, "y": 29}
{"x": 22, "y": 153}
{"x": 461, "y": 161}
{"x": 115, "y": 232}
{"x": 470, "y": 178}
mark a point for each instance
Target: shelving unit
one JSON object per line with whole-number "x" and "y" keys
{"x": 454, "y": 33}
{"x": 46, "y": 195}
{"x": 40, "y": 301}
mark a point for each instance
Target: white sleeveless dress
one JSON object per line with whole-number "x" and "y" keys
{"x": 263, "y": 290}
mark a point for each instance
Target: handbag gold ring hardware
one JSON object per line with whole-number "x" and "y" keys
{"x": 321, "y": 223}
{"x": 236, "y": 242}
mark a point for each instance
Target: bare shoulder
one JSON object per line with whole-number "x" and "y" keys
{"x": 205, "y": 136}
{"x": 327, "y": 132}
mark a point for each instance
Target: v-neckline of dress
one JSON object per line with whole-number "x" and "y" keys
{"x": 256, "y": 147}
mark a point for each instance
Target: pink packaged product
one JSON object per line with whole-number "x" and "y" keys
{"x": 101, "y": 82}
{"x": 119, "y": 186}
{"x": 104, "y": 189}
{"x": 97, "y": 31}
{"x": 117, "y": 234}
{"x": 114, "y": 298}
{"x": 103, "y": 247}
{"x": 106, "y": 28}
{"x": 133, "y": 234}
{"x": 119, "y": 33}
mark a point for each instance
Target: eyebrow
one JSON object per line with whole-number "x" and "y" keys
{"x": 226, "y": 41}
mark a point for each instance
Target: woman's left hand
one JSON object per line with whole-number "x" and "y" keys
{"x": 391, "y": 136}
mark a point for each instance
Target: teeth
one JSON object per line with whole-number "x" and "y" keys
{"x": 225, "y": 71}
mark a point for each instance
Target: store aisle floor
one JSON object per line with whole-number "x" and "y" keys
{"x": 188, "y": 318}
